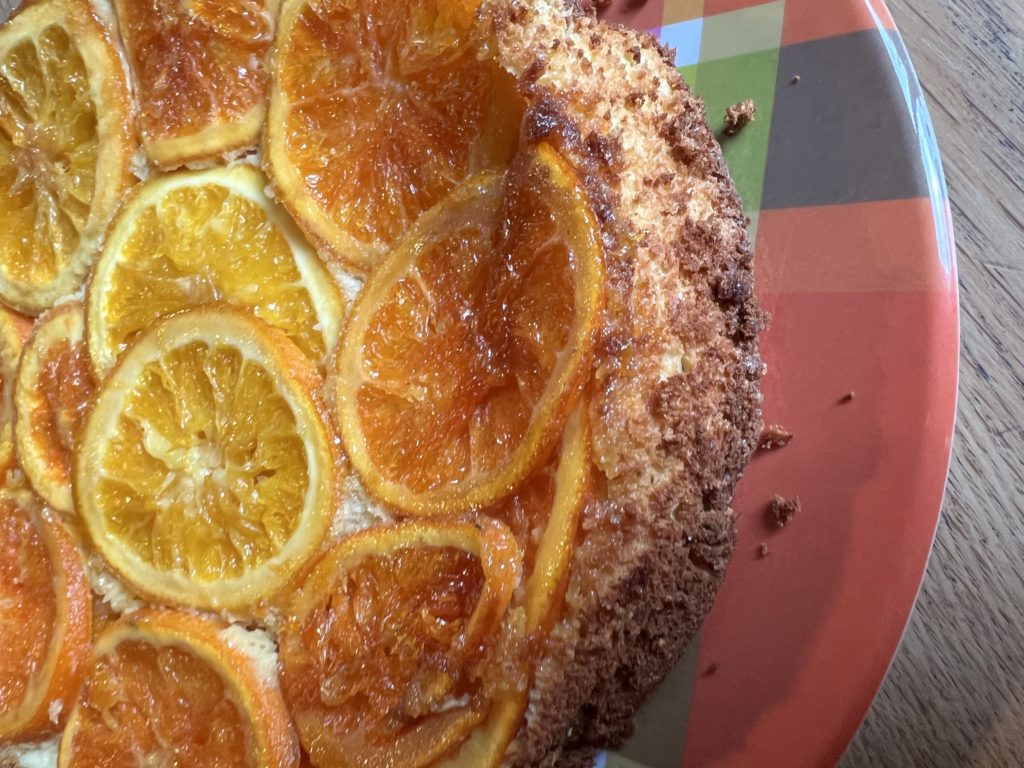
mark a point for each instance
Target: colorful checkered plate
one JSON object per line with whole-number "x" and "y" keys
{"x": 841, "y": 178}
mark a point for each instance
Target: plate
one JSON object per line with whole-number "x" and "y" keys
{"x": 842, "y": 181}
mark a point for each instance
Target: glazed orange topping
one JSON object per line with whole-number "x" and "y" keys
{"x": 471, "y": 343}
{"x": 390, "y": 657}
{"x": 384, "y": 650}
{"x": 161, "y": 703}
{"x": 66, "y": 385}
{"x": 28, "y": 607}
{"x": 66, "y": 142}
{"x": 434, "y": 370}
{"x": 388, "y": 109}
{"x": 195, "y": 61}
{"x": 46, "y": 181}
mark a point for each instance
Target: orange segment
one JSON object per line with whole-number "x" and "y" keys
{"x": 392, "y": 649}
{"x": 200, "y": 73}
{"x": 65, "y": 148}
{"x": 470, "y": 344}
{"x": 54, "y": 387}
{"x": 45, "y": 619}
{"x": 173, "y": 689}
{"x": 377, "y": 110}
{"x": 205, "y": 474}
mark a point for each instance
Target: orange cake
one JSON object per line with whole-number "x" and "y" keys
{"x": 398, "y": 428}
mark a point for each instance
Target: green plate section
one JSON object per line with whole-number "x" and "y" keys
{"x": 739, "y": 32}
{"x": 724, "y": 82}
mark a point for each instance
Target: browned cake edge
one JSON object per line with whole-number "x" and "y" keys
{"x": 675, "y": 401}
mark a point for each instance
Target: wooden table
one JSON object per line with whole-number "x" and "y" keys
{"x": 955, "y": 694}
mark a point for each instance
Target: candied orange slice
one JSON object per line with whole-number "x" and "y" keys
{"x": 45, "y": 619}
{"x": 65, "y": 148}
{"x": 178, "y": 689}
{"x": 391, "y": 648}
{"x": 377, "y": 110}
{"x": 54, "y": 387}
{"x": 544, "y": 515}
{"x": 189, "y": 239}
{"x": 200, "y": 74}
{"x": 205, "y": 473}
{"x": 470, "y": 344}
{"x": 545, "y": 511}
{"x": 12, "y": 331}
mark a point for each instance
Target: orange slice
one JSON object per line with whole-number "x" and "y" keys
{"x": 178, "y": 689}
{"x": 377, "y": 110}
{"x": 470, "y": 344}
{"x": 188, "y": 239}
{"x": 200, "y": 74}
{"x": 54, "y": 387}
{"x": 205, "y": 475}
{"x": 45, "y": 619}
{"x": 12, "y": 331}
{"x": 544, "y": 513}
{"x": 65, "y": 148}
{"x": 391, "y": 647}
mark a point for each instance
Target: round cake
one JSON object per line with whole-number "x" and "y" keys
{"x": 389, "y": 368}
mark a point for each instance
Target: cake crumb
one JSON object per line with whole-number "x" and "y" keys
{"x": 782, "y": 510}
{"x": 739, "y": 115}
{"x": 847, "y": 398}
{"x": 763, "y": 549}
{"x": 774, "y": 437}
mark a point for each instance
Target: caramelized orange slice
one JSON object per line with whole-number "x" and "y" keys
{"x": 377, "y": 110}
{"x": 65, "y": 148}
{"x": 45, "y": 619}
{"x": 544, "y": 514}
{"x": 545, "y": 511}
{"x": 54, "y": 387}
{"x": 200, "y": 74}
{"x": 205, "y": 473}
{"x": 392, "y": 647}
{"x": 203, "y": 237}
{"x": 178, "y": 689}
{"x": 470, "y": 344}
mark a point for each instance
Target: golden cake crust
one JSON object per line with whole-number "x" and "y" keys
{"x": 675, "y": 399}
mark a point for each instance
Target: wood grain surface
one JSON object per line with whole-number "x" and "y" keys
{"x": 955, "y": 694}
